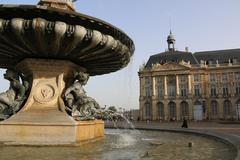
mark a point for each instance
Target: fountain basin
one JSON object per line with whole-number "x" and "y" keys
{"x": 28, "y": 31}
{"x": 127, "y": 144}
{"x": 54, "y": 49}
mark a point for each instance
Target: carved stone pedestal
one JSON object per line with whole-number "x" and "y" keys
{"x": 43, "y": 119}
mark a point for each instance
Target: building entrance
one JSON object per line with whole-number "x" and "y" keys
{"x": 198, "y": 112}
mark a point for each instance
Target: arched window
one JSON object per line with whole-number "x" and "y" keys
{"x": 148, "y": 110}
{"x": 227, "y": 108}
{"x": 214, "y": 107}
{"x": 197, "y": 103}
{"x": 238, "y": 109}
{"x": 238, "y": 103}
{"x": 171, "y": 86}
{"x": 160, "y": 110}
{"x": 184, "y": 109}
{"x": 172, "y": 110}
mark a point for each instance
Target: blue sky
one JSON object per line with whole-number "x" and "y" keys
{"x": 198, "y": 24}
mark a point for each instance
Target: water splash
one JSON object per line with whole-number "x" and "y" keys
{"x": 125, "y": 138}
{"x": 128, "y": 122}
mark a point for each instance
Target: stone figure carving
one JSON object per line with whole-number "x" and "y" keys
{"x": 11, "y": 100}
{"x": 80, "y": 106}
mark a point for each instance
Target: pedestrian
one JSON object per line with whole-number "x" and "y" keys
{"x": 184, "y": 124}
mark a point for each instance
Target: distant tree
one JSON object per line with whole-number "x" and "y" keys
{"x": 112, "y": 108}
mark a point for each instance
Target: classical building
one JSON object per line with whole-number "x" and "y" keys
{"x": 202, "y": 85}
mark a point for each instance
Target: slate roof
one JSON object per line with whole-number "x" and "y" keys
{"x": 222, "y": 56}
{"x": 171, "y": 56}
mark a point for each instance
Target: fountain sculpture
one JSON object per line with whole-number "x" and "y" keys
{"x": 49, "y": 51}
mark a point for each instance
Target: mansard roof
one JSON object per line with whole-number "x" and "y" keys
{"x": 222, "y": 56}
{"x": 171, "y": 56}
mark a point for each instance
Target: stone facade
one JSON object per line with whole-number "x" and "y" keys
{"x": 174, "y": 90}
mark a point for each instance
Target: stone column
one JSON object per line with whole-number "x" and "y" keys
{"x": 190, "y": 105}
{"x": 141, "y": 111}
{"x": 233, "y": 108}
{"x": 154, "y": 110}
{"x": 177, "y": 86}
{"x": 154, "y": 86}
{"x": 166, "y": 110}
{"x": 189, "y": 84}
{"x": 43, "y": 119}
{"x": 141, "y": 86}
{"x": 178, "y": 110}
{"x": 208, "y": 109}
{"x": 220, "y": 108}
{"x": 165, "y": 86}
{"x": 141, "y": 99}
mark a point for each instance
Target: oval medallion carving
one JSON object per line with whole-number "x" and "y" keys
{"x": 45, "y": 93}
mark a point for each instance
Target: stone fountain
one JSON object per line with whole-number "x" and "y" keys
{"x": 49, "y": 51}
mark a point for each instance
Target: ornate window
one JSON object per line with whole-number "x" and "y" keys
{"x": 184, "y": 108}
{"x": 213, "y": 90}
{"x": 224, "y": 77}
{"x": 212, "y": 77}
{"x": 172, "y": 91}
{"x": 238, "y": 109}
{"x": 227, "y": 107}
{"x": 147, "y": 80}
{"x": 172, "y": 110}
{"x": 225, "y": 89}
{"x": 171, "y": 86}
{"x": 183, "y": 89}
{"x": 160, "y": 109}
{"x": 160, "y": 86}
{"x": 196, "y": 77}
{"x": 183, "y": 78}
{"x": 159, "y": 79}
{"x": 147, "y": 91}
{"x": 160, "y": 90}
{"x": 214, "y": 108}
{"x": 197, "y": 90}
{"x": 148, "y": 110}
{"x": 238, "y": 88}
{"x": 237, "y": 76}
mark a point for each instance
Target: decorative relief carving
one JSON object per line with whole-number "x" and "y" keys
{"x": 45, "y": 93}
{"x": 169, "y": 66}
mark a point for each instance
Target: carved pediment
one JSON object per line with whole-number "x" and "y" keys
{"x": 170, "y": 66}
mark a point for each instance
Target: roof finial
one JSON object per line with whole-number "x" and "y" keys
{"x": 170, "y": 24}
{"x": 171, "y": 41}
{"x": 170, "y": 31}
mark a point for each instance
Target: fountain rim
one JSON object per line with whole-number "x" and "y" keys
{"x": 227, "y": 139}
{"x": 70, "y": 17}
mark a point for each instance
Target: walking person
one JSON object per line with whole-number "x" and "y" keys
{"x": 184, "y": 124}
